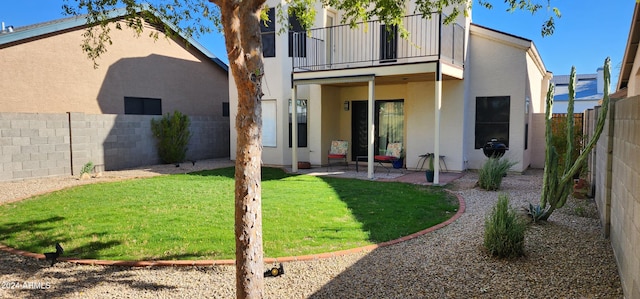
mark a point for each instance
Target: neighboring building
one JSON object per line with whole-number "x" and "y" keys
{"x": 491, "y": 85}
{"x": 589, "y": 91}
{"x": 58, "y": 112}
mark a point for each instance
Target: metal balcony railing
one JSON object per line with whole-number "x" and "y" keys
{"x": 374, "y": 44}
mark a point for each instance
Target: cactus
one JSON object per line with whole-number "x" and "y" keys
{"x": 556, "y": 185}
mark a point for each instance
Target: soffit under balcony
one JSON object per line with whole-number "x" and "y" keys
{"x": 384, "y": 75}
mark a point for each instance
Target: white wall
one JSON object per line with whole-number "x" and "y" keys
{"x": 499, "y": 65}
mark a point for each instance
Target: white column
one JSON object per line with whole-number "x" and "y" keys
{"x": 370, "y": 125}
{"x": 436, "y": 141}
{"x": 294, "y": 130}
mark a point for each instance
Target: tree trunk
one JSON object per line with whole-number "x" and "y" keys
{"x": 241, "y": 26}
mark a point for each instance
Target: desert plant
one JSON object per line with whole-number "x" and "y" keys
{"x": 504, "y": 230}
{"x": 557, "y": 181}
{"x": 536, "y": 212}
{"x": 491, "y": 174}
{"x": 172, "y": 133}
{"x": 87, "y": 168}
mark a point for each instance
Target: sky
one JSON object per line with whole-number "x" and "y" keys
{"x": 588, "y": 31}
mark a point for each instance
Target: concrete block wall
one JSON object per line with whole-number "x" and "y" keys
{"x": 625, "y": 194}
{"x": 602, "y": 172}
{"x": 617, "y": 182}
{"x": 112, "y": 141}
{"x": 210, "y": 138}
{"x": 40, "y": 145}
{"x": 33, "y": 145}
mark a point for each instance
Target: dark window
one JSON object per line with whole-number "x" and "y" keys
{"x": 225, "y": 109}
{"x": 388, "y": 43}
{"x": 268, "y": 33}
{"x": 492, "y": 120}
{"x": 302, "y": 123}
{"x": 143, "y": 106}
{"x": 301, "y": 43}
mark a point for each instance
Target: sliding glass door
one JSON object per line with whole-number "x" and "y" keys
{"x": 389, "y": 126}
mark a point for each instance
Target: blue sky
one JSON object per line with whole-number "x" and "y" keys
{"x": 587, "y": 33}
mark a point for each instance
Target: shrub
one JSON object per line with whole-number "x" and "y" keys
{"x": 504, "y": 230}
{"x": 87, "y": 168}
{"x": 491, "y": 174}
{"x": 172, "y": 134}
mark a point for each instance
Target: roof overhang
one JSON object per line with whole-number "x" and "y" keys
{"x": 630, "y": 50}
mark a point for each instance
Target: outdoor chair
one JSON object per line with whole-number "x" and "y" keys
{"x": 338, "y": 151}
{"x": 392, "y": 154}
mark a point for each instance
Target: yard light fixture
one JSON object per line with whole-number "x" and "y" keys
{"x": 346, "y": 105}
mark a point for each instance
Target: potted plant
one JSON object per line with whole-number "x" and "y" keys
{"x": 397, "y": 163}
{"x": 429, "y": 172}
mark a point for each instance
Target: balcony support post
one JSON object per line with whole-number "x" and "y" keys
{"x": 436, "y": 141}
{"x": 371, "y": 126}
{"x": 294, "y": 130}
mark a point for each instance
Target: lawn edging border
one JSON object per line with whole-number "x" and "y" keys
{"x": 310, "y": 257}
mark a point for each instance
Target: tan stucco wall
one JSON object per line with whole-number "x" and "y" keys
{"x": 502, "y": 68}
{"x": 419, "y": 109}
{"x": 633, "y": 86}
{"x": 53, "y": 75}
{"x": 537, "y": 143}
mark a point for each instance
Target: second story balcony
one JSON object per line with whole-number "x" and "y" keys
{"x": 373, "y": 43}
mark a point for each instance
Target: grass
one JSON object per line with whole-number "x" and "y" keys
{"x": 191, "y": 216}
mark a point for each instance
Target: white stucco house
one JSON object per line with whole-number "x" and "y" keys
{"x": 589, "y": 91}
{"x": 447, "y": 89}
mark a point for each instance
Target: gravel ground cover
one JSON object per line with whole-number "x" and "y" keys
{"x": 565, "y": 258}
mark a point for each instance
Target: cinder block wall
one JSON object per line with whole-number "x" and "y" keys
{"x": 602, "y": 172}
{"x": 625, "y": 194}
{"x": 40, "y": 145}
{"x": 33, "y": 145}
{"x": 618, "y": 189}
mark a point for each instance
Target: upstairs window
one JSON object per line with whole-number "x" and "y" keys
{"x": 142, "y": 106}
{"x": 492, "y": 120}
{"x": 268, "y": 33}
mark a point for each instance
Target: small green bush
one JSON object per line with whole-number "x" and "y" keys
{"x": 491, "y": 174}
{"x": 504, "y": 230}
{"x": 87, "y": 168}
{"x": 172, "y": 133}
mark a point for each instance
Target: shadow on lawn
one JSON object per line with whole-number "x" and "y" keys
{"x": 44, "y": 237}
{"x": 376, "y": 208}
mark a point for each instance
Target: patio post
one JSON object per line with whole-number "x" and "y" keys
{"x": 438, "y": 103}
{"x": 294, "y": 130}
{"x": 370, "y": 125}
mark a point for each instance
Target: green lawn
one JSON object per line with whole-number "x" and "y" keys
{"x": 191, "y": 216}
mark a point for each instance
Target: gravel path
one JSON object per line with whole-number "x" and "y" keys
{"x": 565, "y": 258}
